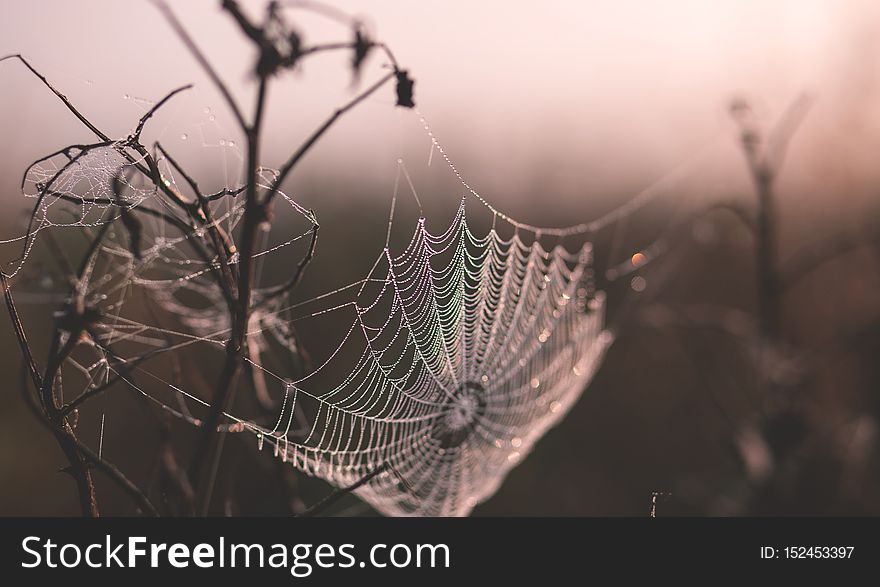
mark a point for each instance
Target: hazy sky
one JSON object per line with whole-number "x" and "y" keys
{"x": 575, "y": 97}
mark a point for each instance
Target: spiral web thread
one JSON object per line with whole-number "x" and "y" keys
{"x": 461, "y": 350}
{"x": 472, "y": 348}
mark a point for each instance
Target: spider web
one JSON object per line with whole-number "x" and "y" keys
{"x": 460, "y": 351}
{"x": 472, "y": 347}
{"x": 81, "y": 175}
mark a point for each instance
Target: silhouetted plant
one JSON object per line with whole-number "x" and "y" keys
{"x": 229, "y": 255}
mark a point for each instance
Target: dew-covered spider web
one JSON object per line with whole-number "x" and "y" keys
{"x": 458, "y": 351}
{"x": 470, "y": 348}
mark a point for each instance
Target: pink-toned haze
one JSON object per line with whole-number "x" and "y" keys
{"x": 572, "y": 99}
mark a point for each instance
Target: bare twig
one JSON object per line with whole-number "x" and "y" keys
{"x": 136, "y": 135}
{"x": 113, "y": 472}
{"x": 298, "y": 273}
{"x": 202, "y": 60}
{"x": 220, "y": 241}
{"x": 318, "y": 133}
{"x": 57, "y": 423}
{"x": 61, "y": 97}
{"x": 20, "y": 334}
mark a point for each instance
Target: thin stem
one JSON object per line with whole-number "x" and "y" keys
{"x": 122, "y": 373}
{"x": 768, "y": 289}
{"x": 20, "y": 334}
{"x": 61, "y": 97}
{"x": 113, "y": 472}
{"x": 210, "y": 447}
{"x": 300, "y": 269}
{"x": 60, "y": 427}
{"x": 319, "y": 132}
{"x": 136, "y": 136}
{"x": 762, "y": 174}
{"x": 50, "y": 417}
{"x": 220, "y": 243}
{"x": 202, "y": 60}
